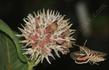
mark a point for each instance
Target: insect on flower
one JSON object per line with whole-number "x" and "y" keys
{"x": 44, "y": 32}
{"x": 86, "y": 55}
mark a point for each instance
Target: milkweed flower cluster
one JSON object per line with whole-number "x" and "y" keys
{"x": 44, "y": 32}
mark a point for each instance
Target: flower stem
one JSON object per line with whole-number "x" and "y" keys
{"x": 30, "y": 66}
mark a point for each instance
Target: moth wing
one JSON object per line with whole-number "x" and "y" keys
{"x": 100, "y": 54}
{"x": 75, "y": 55}
{"x": 82, "y": 61}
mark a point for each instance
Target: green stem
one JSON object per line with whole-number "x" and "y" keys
{"x": 33, "y": 63}
{"x": 30, "y": 66}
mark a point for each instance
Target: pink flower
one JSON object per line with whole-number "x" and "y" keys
{"x": 45, "y": 32}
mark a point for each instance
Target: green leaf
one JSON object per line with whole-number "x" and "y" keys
{"x": 8, "y": 55}
{"x": 5, "y": 28}
{"x": 11, "y": 57}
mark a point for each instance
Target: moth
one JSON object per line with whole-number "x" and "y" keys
{"x": 86, "y": 55}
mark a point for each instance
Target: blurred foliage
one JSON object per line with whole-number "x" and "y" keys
{"x": 100, "y": 24}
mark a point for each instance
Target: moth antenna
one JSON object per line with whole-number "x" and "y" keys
{"x": 79, "y": 45}
{"x": 76, "y": 45}
{"x": 85, "y": 43}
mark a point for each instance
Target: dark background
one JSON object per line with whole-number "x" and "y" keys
{"x": 13, "y": 11}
